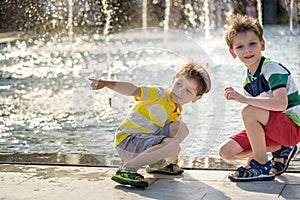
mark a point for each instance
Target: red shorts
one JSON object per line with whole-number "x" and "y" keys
{"x": 280, "y": 130}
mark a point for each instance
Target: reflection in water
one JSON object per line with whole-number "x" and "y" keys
{"x": 104, "y": 160}
{"x": 114, "y": 161}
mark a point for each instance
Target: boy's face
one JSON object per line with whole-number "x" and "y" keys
{"x": 247, "y": 47}
{"x": 184, "y": 90}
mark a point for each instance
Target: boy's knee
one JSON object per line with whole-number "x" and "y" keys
{"x": 179, "y": 127}
{"x": 184, "y": 130}
{"x": 225, "y": 153}
{"x": 222, "y": 152}
{"x": 247, "y": 112}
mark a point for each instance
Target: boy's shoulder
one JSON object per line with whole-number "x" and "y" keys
{"x": 274, "y": 67}
{"x": 154, "y": 90}
{"x": 154, "y": 87}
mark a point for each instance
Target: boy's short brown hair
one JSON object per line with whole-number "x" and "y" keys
{"x": 240, "y": 23}
{"x": 198, "y": 73}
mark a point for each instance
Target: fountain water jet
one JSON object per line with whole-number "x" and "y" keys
{"x": 167, "y": 14}
{"x": 144, "y": 14}
{"x": 70, "y": 18}
{"x": 206, "y": 17}
{"x": 259, "y": 12}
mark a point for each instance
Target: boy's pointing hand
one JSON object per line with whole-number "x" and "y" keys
{"x": 96, "y": 84}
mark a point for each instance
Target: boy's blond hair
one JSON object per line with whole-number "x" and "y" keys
{"x": 240, "y": 23}
{"x": 198, "y": 73}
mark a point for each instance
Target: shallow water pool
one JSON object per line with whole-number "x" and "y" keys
{"x": 47, "y": 106}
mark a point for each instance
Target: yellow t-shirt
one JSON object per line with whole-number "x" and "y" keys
{"x": 152, "y": 110}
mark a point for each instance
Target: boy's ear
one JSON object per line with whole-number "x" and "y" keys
{"x": 173, "y": 79}
{"x": 197, "y": 98}
{"x": 263, "y": 45}
{"x": 232, "y": 53}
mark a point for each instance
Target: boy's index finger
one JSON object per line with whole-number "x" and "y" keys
{"x": 92, "y": 79}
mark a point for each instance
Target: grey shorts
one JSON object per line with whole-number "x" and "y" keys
{"x": 135, "y": 144}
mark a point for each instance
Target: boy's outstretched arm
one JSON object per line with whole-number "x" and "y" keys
{"x": 124, "y": 88}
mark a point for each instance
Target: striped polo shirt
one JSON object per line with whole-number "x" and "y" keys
{"x": 152, "y": 110}
{"x": 269, "y": 76}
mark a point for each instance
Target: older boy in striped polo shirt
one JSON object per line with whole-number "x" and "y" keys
{"x": 271, "y": 114}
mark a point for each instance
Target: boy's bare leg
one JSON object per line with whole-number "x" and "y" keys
{"x": 168, "y": 148}
{"x": 179, "y": 131}
{"x": 254, "y": 119}
{"x": 230, "y": 150}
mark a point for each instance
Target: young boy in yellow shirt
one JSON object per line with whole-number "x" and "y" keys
{"x": 153, "y": 130}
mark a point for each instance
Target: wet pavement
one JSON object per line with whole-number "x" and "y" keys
{"x": 70, "y": 182}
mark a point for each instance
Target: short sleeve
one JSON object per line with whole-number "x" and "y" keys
{"x": 150, "y": 94}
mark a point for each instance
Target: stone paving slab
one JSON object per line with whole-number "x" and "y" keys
{"x": 30, "y": 182}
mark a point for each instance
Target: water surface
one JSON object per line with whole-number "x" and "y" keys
{"x": 48, "y": 108}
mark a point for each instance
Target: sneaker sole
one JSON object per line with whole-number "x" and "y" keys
{"x": 256, "y": 178}
{"x": 139, "y": 184}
